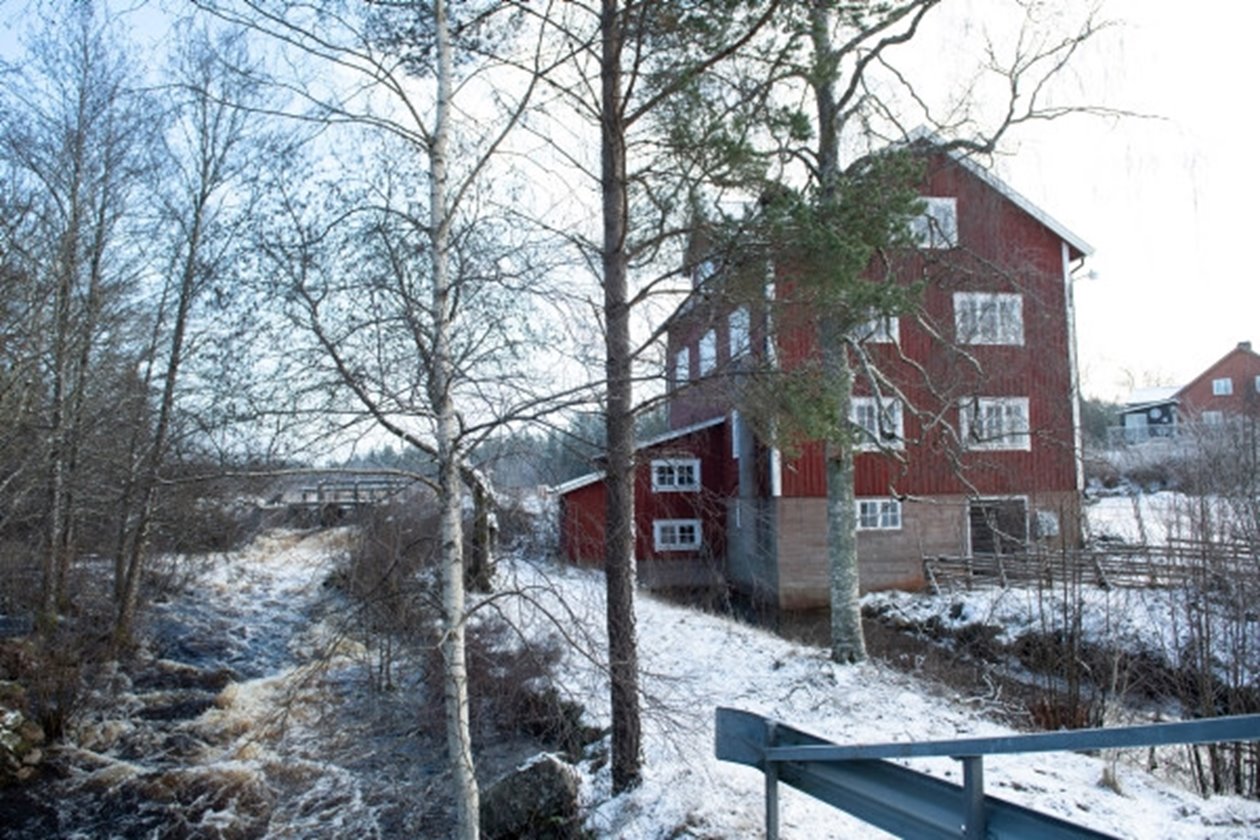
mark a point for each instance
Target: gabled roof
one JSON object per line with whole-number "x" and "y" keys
{"x": 1242, "y": 348}
{"x": 683, "y": 432}
{"x": 1016, "y": 198}
{"x": 592, "y": 477}
{"x": 577, "y": 483}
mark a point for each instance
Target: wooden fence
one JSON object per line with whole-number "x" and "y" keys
{"x": 1109, "y": 565}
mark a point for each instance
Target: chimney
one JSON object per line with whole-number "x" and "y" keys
{"x": 1244, "y": 345}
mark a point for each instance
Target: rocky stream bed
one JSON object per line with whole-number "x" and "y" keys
{"x": 249, "y": 715}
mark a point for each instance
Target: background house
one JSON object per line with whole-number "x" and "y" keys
{"x": 1148, "y": 413}
{"x": 1230, "y": 387}
{"x": 981, "y": 456}
{"x": 1226, "y": 390}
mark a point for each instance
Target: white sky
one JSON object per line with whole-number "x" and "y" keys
{"x": 1163, "y": 200}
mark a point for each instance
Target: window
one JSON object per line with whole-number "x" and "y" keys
{"x": 1222, "y": 387}
{"x": 708, "y": 353}
{"x": 937, "y": 225}
{"x": 675, "y": 475}
{"x": 740, "y": 336}
{"x": 995, "y": 423}
{"x": 1258, "y": 384}
{"x": 998, "y": 526}
{"x": 1212, "y": 418}
{"x": 882, "y": 329}
{"x": 878, "y": 515}
{"x": 988, "y": 318}
{"x": 880, "y": 422}
{"x": 682, "y": 366}
{"x": 676, "y": 534}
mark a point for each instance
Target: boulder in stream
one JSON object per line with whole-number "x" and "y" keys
{"x": 538, "y": 800}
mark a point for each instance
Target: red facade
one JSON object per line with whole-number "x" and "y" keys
{"x": 1018, "y": 366}
{"x": 1230, "y": 387}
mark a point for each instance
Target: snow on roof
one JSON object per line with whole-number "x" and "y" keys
{"x": 683, "y": 432}
{"x": 1158, "y": 394}
{"x": 577, "y": 483}
{"x": 590, "y": 478}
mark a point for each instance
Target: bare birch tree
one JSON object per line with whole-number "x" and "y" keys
{"x": 75, "y": 132}
{"x": 209, "y": 146}
{"x": 408, "y": 335}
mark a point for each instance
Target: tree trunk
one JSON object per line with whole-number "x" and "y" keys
{"x": 139, "y": 543}
{"x": 450, "y": 489}
{"x": 479, "y": 574}
{"x": 619, "y": 532}
{"x": 847, "y": 642}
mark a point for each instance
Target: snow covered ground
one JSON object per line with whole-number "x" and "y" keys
{"x": 297, "y": 746}
{"x": 693, "y": 663}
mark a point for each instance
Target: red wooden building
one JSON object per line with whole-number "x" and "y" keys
{"x": 971, "y": 445}
{"x": 1230, "y": 387}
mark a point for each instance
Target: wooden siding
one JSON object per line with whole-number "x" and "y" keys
{"x": 582, "y": 511}
{"x": 1241, "y": 365}
{"x": 717, "y": 483}
{"x": 1003, "y": 250}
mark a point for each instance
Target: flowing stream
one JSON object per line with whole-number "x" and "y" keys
{"x": 251, "y": 718}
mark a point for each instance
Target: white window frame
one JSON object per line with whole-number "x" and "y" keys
{"x": 880, "y": 421}
{"x": 989, "y": 318}
{"x": 879, "y": 514}
{"x": 667, "y": 475}
{"x": 682, "y": 366}
{"x": 707, "y": 353}
{"x": 669, "y": 534}
{"x": 937, "y": 225}
{"x": 1006, "y": 424}
{"x": 1223, "y": 387}
{"x": 881, "y": 329}
{"x": 739, "y": 331}
{"x": 1212, "y": 418}
{"x": 1258, "y": 384}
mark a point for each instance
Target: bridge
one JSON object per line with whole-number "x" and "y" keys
{"x": 335, "y": 499}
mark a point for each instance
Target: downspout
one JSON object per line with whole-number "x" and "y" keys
{"x": 1078, "y": 443}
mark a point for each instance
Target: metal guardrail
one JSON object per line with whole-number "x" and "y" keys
{"x": 861, "y": 780}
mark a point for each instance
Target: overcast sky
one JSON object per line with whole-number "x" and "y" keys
{"x": 1164, "y": 201}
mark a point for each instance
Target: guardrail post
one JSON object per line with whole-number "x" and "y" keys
{"x": 772, "y": 786}
{"x": 973, "y": 794}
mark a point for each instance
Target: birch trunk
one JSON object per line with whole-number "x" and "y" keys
{"x": 450, "y": 490}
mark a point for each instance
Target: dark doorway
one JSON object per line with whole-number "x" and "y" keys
{"x": 998, "y": 526}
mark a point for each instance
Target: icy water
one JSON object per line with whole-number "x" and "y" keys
{"x": 251, "y": 719}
